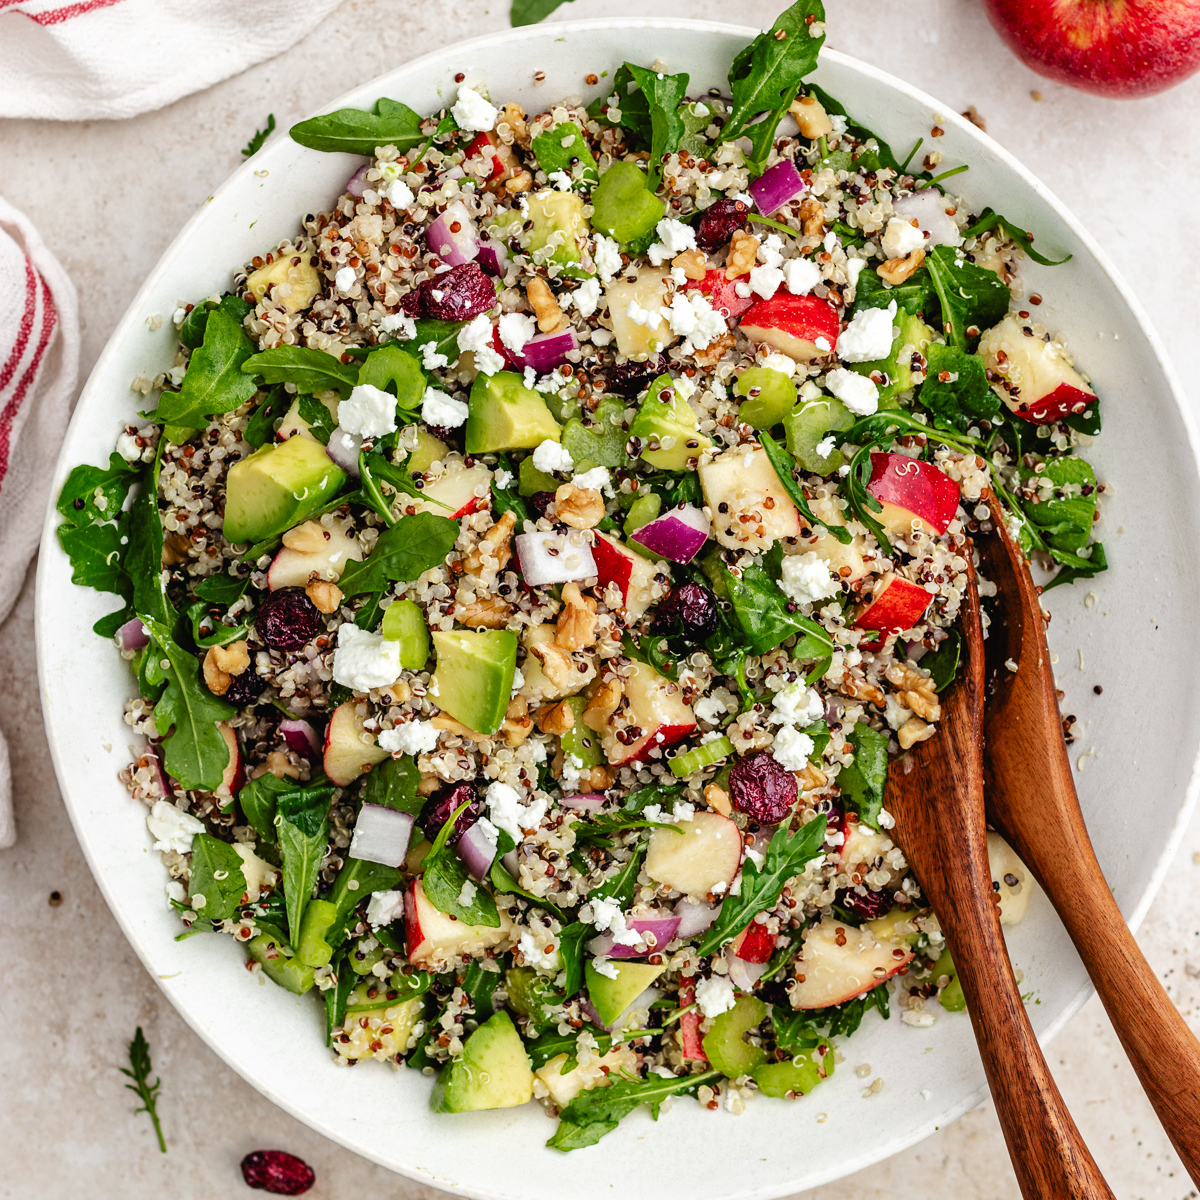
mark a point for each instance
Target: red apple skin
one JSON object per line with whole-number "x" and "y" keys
{"x": 915, "y": 486}
{"x": 612, "y": 566}
{"x": 799, "y": 320}
{"x": 483, "y": 144}
{"x": 689, "y": 1026}
{"x": 670, "y": 735}
{"x": 1064, "y": 401}
{"x": 721, "y": 293}
{"x": 898, "y": 606}
{"x": 1120, "y": 49}
{"x": 755, "y": 944}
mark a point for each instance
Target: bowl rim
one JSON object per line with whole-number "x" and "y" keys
{"x": 129, "y": 321}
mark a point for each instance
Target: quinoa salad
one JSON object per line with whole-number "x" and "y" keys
{"x": 531, "y": 564}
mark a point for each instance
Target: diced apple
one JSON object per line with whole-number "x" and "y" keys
{"x": 234, "y": 774}
{"x": 749, "y": 508}
{"x": 691, "y": 1034}
{"x": 838, "y": 962}
{"x": 350, "y": 751}
{"x": 296, "y": 282}
{"x": 1037, "y": 381}
{"x": 332, "y": 550}
{"x": 648, "y": 292}
{"x": 651, "y": 713}
{"x": 755, "y": 944}
{"x": 436, "y": 941}
{"x": 457, "y": 488}
{"x": 293, "y": 423}
{"x": 633, "y": 574}
{"x": 488, "y": 146}
{"x": 1011, "y": 880}
{"x": 802, "y": 327}
{"x": 896, "y": 606}
{"x": 563, "y": 1088}
{"x": 836, "y": 554}
{"x": 862, "y": 844}
{"x": 702, "y": 860}
{"x": 722, "y": 293}
{"x": 537, "y": 685}
{"x": 913, "y": 493}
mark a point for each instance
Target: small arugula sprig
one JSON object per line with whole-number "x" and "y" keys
{"x": 357, "y": 132}
{"x": 255, "y": 144}
{"x": 445, "y": 878}
{"x": 989, "y": 220}
{"x": 785, "y": 466}
{"x": 139, "y": 1071}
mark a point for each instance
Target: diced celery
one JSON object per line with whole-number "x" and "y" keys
{"x": 769, "y": 395}
{"x": 279, "y": 965}
{"x": 625, "y": 205}
{"x": 809, "y": 425}
{"x": 797, "y": 1076}
{"x": 642, "y": 511}
{"x": 579, "y": 741}
{"x": 361, "y": 961}
{"x": 725, "y": 1042}
{"x": 950, "y": 997}
{"x": 312, "y": 948}
{"x": 697, "y": 759}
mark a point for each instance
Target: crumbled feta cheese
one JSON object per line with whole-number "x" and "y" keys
{"x": 128, "y": 448}
{"x": 345, "y": 279}
{"x": 385, "y": 907}
{"x": 709, "y": 709}
{"x": 400, "y": 323}
{"x": 502, "y": 478}
{"x": 807, "y": 579}
{"x": 535, "y": 955}
{"x": 572, "y": 773}
{"x": 399, "y": 194}
{"x": 175, "y": 891}
{"x": 438, "y": 408}
{"x": 826, "y": 446}
{"x": 769, "y": 250}
{"x": 369, "y": 411}
{"x": 476, "y": 336}
{"x": 765, "y": 281}
{"x": 673, "y": 238}
{"x": 714, "y": 995}
{"x": 868, "y": 336}
{"x": 518, "y": 675}
{"x": 472, "y": 112}
{"x": 792, "y": 748}
{"x": 801, "y": 275}
{"x": 742, "y": 289}
{"x": 683, "y": 811}
{"x": 607, "y": 256}
{"x": 894, "y": 713}
{"x": 561, "y": 180}
{"x": 413, "y": 737}
{"x": 363, "y": 660}
{"x": 171, "y": 827}
{"x": 855, "y": 391}
{"x": 779, "y": 362}
{"x": 693, "y": 317}
{"x": 597, "y": 478}
{"x": 551, "y": 456}
{"x": 586, "y": 297}
{"x": 854, "y": 268}
{"x": 516, "y": 330}
{"x": 797, "y": 704}
{"x": 679, "y": 277}
{"x": 431, "y": 357}
{"x": 509, "y": 812}
{"x": 643, "y": 316}
{"x": 901, "y": 238}
{"x": 467, "y": 893}
{"x": 831, "y": 240}
{"x": 601, "y": 965}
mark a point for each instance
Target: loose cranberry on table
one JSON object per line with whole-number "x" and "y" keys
{"x": 720, "y": 222}
{"x": 287, "y": 619}
{"x": 762, "y": 788}
{"x": 277, "y": 1172}
{"x": 459, "y": 294}
{"x": 440, "y": 807}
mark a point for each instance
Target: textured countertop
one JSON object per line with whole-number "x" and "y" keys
{"x": 108, "y": 197}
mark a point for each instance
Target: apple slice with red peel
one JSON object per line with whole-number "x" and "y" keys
{"x": 702, "y": 859}
{"x": 862, "y": 845}
{"x": 296, "y": 568}
{"x": 456, "y": 489}
{"x": 721, "y": 293}
{"x": 838, "y": 962}
{"x": 348, "y": 753}
{"x": 912, "y": 492}
{"x": 650, "y": 713}
{"x": 691, "y": 1037}
{"x": 896, "y": 606}
{"x": 755, "y": 944}
{"x": 234, "y": 774}
{"x": 1036, "y": 379}
{"x": 802, "y": 327}
{"x": 633, "y": 574}
{"x": 437, "y": 941}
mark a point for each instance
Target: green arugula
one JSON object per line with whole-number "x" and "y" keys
{"x": 302, "y": 823}
{"x": 354, "y": 131}
{"x": 697, "y": 116}
{"x": 797, "y": 1031}
{"x": 139, "y": 1071}
{"x": 508, "y": 499}
{"x": 766, "y": 76}
{"x": 505, "y": 884}
{"x": 143, "y": 557}
{"x": 653, "y": 793}
{"x": 663, "y": 95}
{"x": 965, "y": 396}
{"x": 570, "y": 948}
{"x": 912, "y": 295}
{"x": 786, "y": 856}
{"x": 971, "y": 298}
{"x": 530, "y": 12}
{"x": 864, "y": 159}
{"x": 337, "y": 996}
{"x": 785, "y": 468}
{"x": 217, "y": 876}
{"x": 321, "y": 422}
{"x": 442, "y": 335}
{"x": 310, "y": 370}
{"x": 221, "y": 635}
{"x": 215, "y": 381}
{"x": 402, "y": 554}
{"x": 550, "y": 1045}
{"x": 598, "y": 831}
{"x": 258, "y": 799}
{"x": 1060, "y": 525}
{"x": 393, "y": 784}
{"x": 445, "y": 877}
{"x": 989, "y": 220}
{"x": 222, "y": 589}
{"x": 354, "y": 884}
{"x": 260, "y": 428}
{"x": 942, "y": 663}
{"x": 191, "y": 332}
{"x": 863, "y": 782}
{"x": 622, "y": 883}
{"x": 480, "y": 986}
{"x": 255, "y": 144}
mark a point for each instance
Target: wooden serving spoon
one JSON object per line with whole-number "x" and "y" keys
{"x": 1031, "y": 800}
{"x": 935, "y": 793}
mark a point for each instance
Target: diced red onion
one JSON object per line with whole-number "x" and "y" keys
{"x": 663, "y": 928}
{"x": 833, "y": 711}
{"x": 493, "y": 256}
{"x": 381, "y": 835}
{"x": 678, "y": 534}
{"x": 694, "y": 918}
{"x": 343, "y": 449}
{"x": 928, "y": 206}
{"x": 545, "y": 351}
{"x": 589, "y": 1010}
{"x": 540, "y": 567}
{"x": 357, "y": 183}
{"x": 584, "y": 802}
{"x": 300, "y": 737}
{"x": 742, "y": 974}
{"x": 512, "y": 864}
{"x": 477, "y": 851}
{"x": 453, "y": 247}
{"x": 776, "y": 186}
{"x": 132, "y": 635}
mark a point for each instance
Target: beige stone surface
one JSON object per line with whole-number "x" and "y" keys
{"x": 109, "y": 197}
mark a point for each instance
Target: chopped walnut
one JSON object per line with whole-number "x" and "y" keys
{"x": 914, "y": 730}
{"x": 717, "y": 798}
{"x": 897, "y": 270}
{"x": 308, "y": 538}
{"x": 743, "y": 253}
{"x": 176, "y": 549}
{"x": 556, "y": 718}
{"x": 692, "y": 263}
{"x": 517, "y": 724}
{"x": 557, "y": 664}
{"x": 597, "y": 779}
{"x": 603, "y": 703}
{"x": 512, "y": 115}
{"x": 496, "y": 543}
{"x": 486, "y": 612}
{"x": 811, "y": 116}
{"x": 811, "y": 778}
{"x": 862, "y": 689}
{"x": 541, "y": 299}
{"x": 708, "y": 356}
{"x": 915, "y": 690}
{"x": 812, "y": 217}
{"x": 279, "y": 766}
{"x": 326, "y": 596}
{"x": 222, "y": 663}
{"x": 577, "y": 621}
{"x": 579, "y": 507}
{"x": 450, "y": 725}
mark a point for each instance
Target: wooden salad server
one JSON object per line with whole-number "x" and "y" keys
{"x": 1031, "y": 800}
{"x": 935, "y": 793}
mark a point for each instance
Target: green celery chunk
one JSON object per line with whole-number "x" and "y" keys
{"x": 768, "y": 396}
{"x": 700, "y": 757}
{"x": 809, "y": 425}
{"x": 625, "y": 207}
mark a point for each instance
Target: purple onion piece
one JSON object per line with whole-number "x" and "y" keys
{"x": 492, "y": 256}
{"x": 132, "y": 635}
{"x": 742, "y": 974}
{"x": 477, "y": 851}
{"x": 381, "y": 835}
{"x": 663, "y": 928}
{"x": 678, "y": 534}
{"x": 584, "y": 802}
{"x": 357, "y": 183}
{"x": 453, "y": 247}
{"x": 545, "y": 351}
{"x": 301, "y": 737}
{"x": 512, "y": 864}
{"x": 344, "y": 449}
{"x": 776, "y": 186}
{"x": 694, "y": 918}
{"x": 164, "y": 780}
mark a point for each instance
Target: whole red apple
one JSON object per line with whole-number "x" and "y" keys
{"x": 1118, "y": 48}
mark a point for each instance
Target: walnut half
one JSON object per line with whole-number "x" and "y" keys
{"x": 577, "y": 622}
{"x": 579, "y": 507}
{"x": 222, "y": 663}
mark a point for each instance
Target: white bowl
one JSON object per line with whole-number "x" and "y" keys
{"x": 1135, "y": 630}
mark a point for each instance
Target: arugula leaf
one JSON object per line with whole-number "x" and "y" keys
{"x": 393, "y": 784}
{"x": 631, "y": 104}
{"x": 143, "y": 558}
{"x": 217, "y": 876}
{"x": 321, "y": 421}
{"x": 139, "y": 1071}
{"x": 864, "y": 159}
{"x": 766, "y": 76}
{"x": 1075, "y": 567}
{"x": 508, "y": 499}
{"x": 255, "y": 144}
{"x": 598, "y": 1111}
{"x": 663, "y": 93}
{"x": 797, "y": 1031}
{"x": 530, "y": 12}
{"x": 222, "y": 589}
{"x": 912, "y": 295}
{"x": 965, "y": 395}
{"x": 505, "y": 884}
{"x": 402, "y": 554}
{"x": 697, "y": 116}
{"x": 354, "y": 884}
{"x": 653, "y": 793}
{"x": 302, "y": 822}
{"x": 191, "y": 332}
{"x": 258, "y": 799}
{"x": 864, "y": 780}
{"x": 442, "y": 335}
{"x": 481, "y": 986}
{"x": 570, "y": 949}
{"x": 197, "y": 613}
{"x": 786, "y": 856}
{"x": 95, "y": 495}
{"x": 260, "y": 428}
{"x": 597, "y": 830}
{"x": 1065, "y": 517}
{"x": 214, "y": 381}
{"x": 337, "y": 996}
{"x": 989, "y": 220}
{"x": 357, "y": 132}
{"x": 942, "y": 663}
{"x": 621, "y": 885}
{"x": 785, "y": 467}
{"x": 445, "y": 877}
{"x": 310, "y": 370}
{"x": 550, "y": 1045}
{"x": 970, "y": 296}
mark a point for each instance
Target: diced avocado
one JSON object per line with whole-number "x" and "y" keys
{"x": 725, "y": 1042}
{"x": 809, "y": 425}
{"x": 429, "y": 450}
{"x": 600, "y": 442}
{"x": 391, "y": 369}
{"x": 611, "y": 997}
{"x": 914, "y": 335}
{"x": 503, "y": 414}
{"x": 564, "y": 148}
{"x": 885, "y": 928}
{"x": 579, "y": 741}
{"x": 530, "y": 480}
{"x": 278, "y": 487}
{"x": 532, "y": 995}
{"x": 625, "y": 206}
{"x": 798, "y": 1075}
{"x": 642, "y": 511}
{"x": 278, "y": 964}
{"x": 769, "y": 395}
{"x": 474, "y": 676}
{"x": 312, "y": 948}
{"x": 664, "y": 415}
{"x": 493, "y": 1072}
{"x": 950, "y": 997}
{"x": 404, "y": 622}
{"x": 303, "y": 279}
{"x": 556, "y": 229}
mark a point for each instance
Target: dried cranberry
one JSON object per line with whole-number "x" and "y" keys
{"x": 440, "y": 807}
{"x": 689, "y": 611}
{"x": 458, "y": 294}
{"x": 245, "y": 688}
{"x": 287, "y": 619}
{"x": 720, "y": 222}
{"x": 762, "y": 788}
{"x": 632, "y": 378}
{"x": 277, "y": 1172}
{"x": 868, "y": 907}
{"x": 539, "y": 502}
